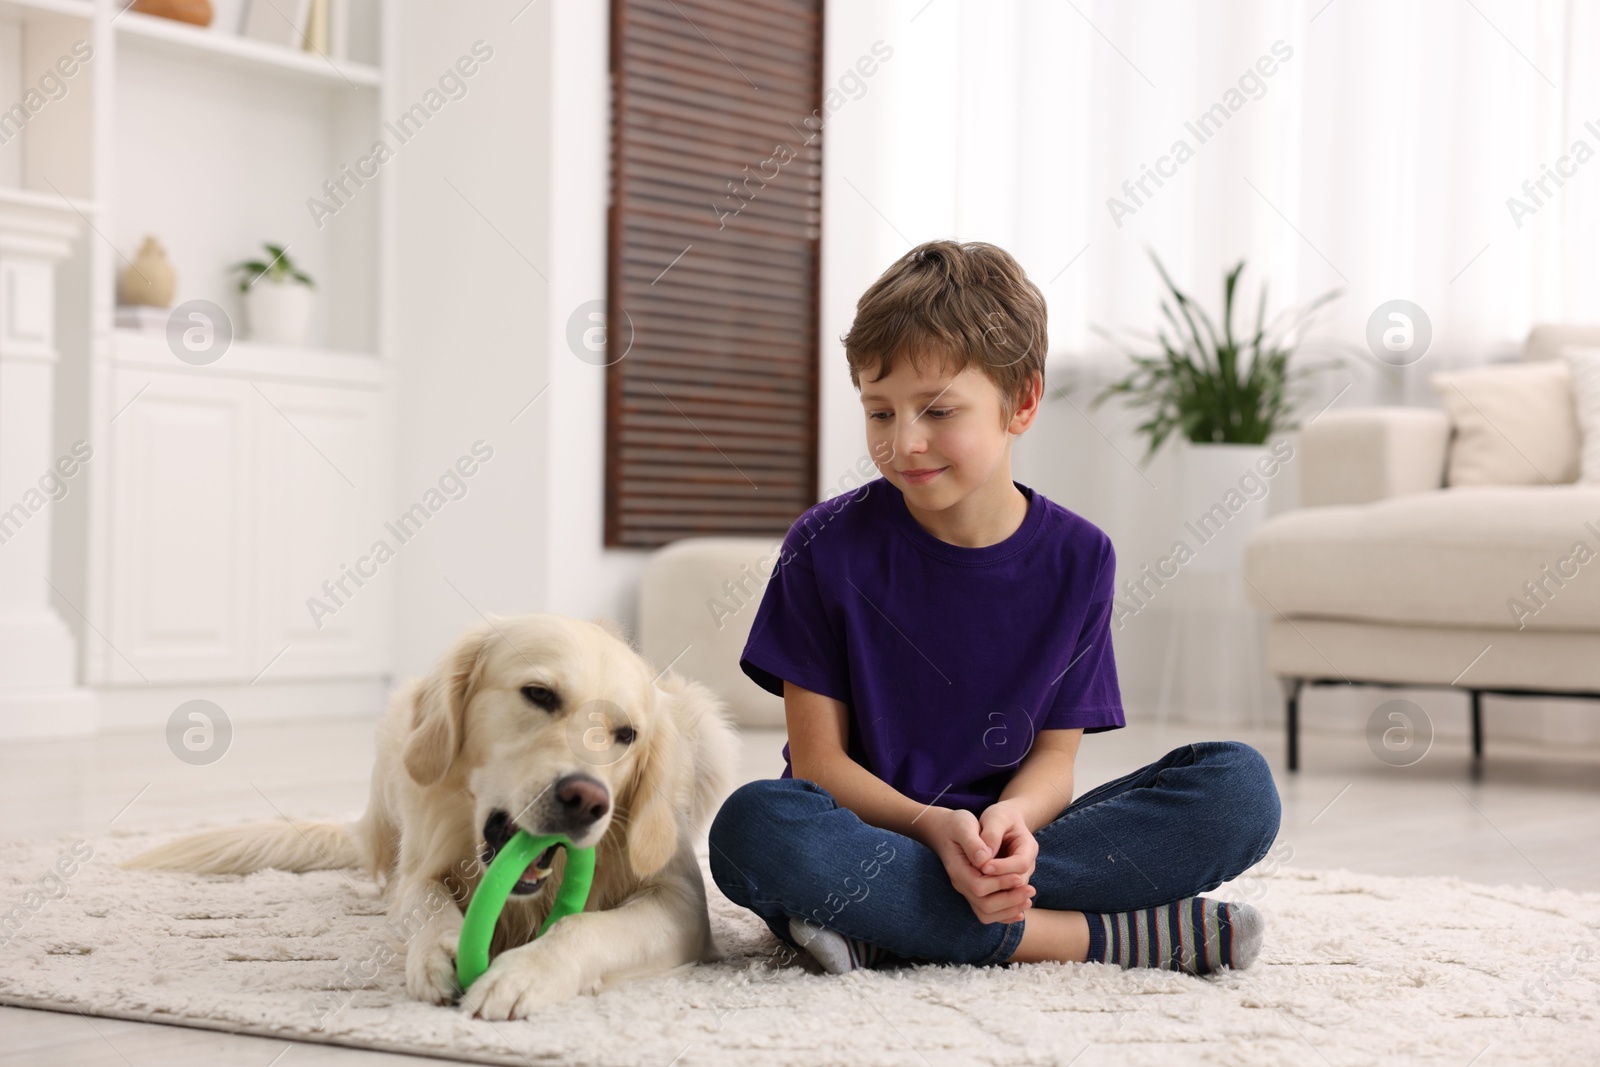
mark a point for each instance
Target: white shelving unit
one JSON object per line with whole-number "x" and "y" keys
{"x": 80, "y": 9}
{"x": 187, "y": 44}
{"x": 220, "y": 497}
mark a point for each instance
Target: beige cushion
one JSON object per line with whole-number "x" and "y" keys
{"x": 1452, "y": 557}
{"x": 1514, "y": 424}
{"x": 1584, "y": 366}
{"x": 697, "y": 599}
{"x": 1351, "y": 457}
{"x": 1546, "y": 340}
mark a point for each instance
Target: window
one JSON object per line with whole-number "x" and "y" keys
{"x": 712, "y": 268}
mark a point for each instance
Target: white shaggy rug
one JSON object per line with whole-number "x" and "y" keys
{"x": 1357, "y": 969}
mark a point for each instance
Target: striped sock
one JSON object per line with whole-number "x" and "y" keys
{"x": 1196, "y": 934}
{"x": 837, "y": 953}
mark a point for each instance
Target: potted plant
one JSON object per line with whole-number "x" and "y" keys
{"x": 1225, "y": 393}
{"x": 277, "y": 297}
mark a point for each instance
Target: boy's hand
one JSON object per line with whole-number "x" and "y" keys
{"x": 967, "y": 847}
{"x": 1010, "y": 844}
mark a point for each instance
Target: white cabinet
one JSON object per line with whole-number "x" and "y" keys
{"x": 320, "y": 511}
{"x": 180, "y": 546}
{"x": 283, "y": 487}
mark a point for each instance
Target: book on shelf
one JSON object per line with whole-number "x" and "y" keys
{"x": 317, "y": 27}
{"x": 282, "y": 22}
{"x": 339, "y": 28}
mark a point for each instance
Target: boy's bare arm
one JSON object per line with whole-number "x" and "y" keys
{"x": 1042, "y": 786}
{"x": 818, "y": 750}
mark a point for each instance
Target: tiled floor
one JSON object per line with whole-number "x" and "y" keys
{"x": 1530, "y": 819}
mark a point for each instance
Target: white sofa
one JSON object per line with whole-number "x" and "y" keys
{"x": 1386, "y": 576}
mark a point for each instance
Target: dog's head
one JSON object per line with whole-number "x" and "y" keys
{"x": 555, "y": 725}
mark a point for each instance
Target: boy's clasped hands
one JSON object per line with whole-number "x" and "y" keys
{"x": 989, "y": 858}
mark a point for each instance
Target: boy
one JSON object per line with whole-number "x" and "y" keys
{"x": 941, "y": 639}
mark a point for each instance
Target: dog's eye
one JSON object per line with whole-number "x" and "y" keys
{"x": 539, "y": 696}
{"x": 626, "y": 735}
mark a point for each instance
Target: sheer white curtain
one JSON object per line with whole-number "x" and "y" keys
{"x": 1379, "y": 158}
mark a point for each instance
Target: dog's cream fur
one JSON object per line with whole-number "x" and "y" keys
{"x": 463, "y": 742}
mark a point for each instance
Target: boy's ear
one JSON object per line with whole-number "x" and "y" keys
{"x": 1028, "y": 401}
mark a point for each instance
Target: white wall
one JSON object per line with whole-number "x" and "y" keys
{"x": 582, "y": 577}
{"x": 471, "y": 320}
{"x": 491, "y": 270}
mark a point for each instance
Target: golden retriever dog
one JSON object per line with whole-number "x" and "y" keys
{"x": 548, "y": 724}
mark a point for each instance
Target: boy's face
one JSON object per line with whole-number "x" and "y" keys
{"x": 921, "y": 419}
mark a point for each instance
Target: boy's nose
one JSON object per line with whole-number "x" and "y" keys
{"x": 909, "y": 439}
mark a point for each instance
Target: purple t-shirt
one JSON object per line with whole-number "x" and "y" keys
{"x": 950, "y": 659}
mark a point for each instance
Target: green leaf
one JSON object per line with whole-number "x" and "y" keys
{"x": 1211, "y": 383}
{"x": 278, "y": 266}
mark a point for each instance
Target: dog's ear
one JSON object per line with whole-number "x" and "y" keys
{"x": 657, "y": 799}
{"x": 438, "y": 719}
{"x": 612, "y": 627}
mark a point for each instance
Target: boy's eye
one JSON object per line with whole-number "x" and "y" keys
{"x": 938, "y": 413}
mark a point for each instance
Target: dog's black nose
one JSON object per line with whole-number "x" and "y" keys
{"x": 584, "y": 801}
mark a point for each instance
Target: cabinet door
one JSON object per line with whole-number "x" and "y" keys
{"x": 322, "y": 594}
{"x": 181, "y": 538}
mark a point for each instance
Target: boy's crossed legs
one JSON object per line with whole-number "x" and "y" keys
{"x": 1130, "y": 853}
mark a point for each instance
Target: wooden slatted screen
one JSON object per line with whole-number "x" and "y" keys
{"x": 712, "y": 273}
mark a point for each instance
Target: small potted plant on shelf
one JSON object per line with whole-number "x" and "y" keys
{"x": 277, "y": 297}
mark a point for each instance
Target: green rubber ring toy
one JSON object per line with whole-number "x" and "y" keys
{"x": 477, "y": 928}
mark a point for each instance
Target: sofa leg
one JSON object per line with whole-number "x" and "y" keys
{"x": 1291, "y": 718}
{"x": 1477, "y": 724}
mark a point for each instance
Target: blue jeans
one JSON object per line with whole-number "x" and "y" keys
{"x": 1183, "y": 825}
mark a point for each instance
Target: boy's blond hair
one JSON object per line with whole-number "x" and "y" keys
{"x": 963, "y": 303}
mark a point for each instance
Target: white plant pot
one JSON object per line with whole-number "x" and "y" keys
{"x": 1221, "y": 676}
{"x": 1224, "y": 499}
{"x": 277, "y": 313}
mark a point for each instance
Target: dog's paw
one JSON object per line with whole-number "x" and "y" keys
{"x": 520, "y": 982}
{"x": 431, "y": 968}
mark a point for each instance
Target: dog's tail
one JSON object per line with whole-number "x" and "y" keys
{"x": 283, "y": 845}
